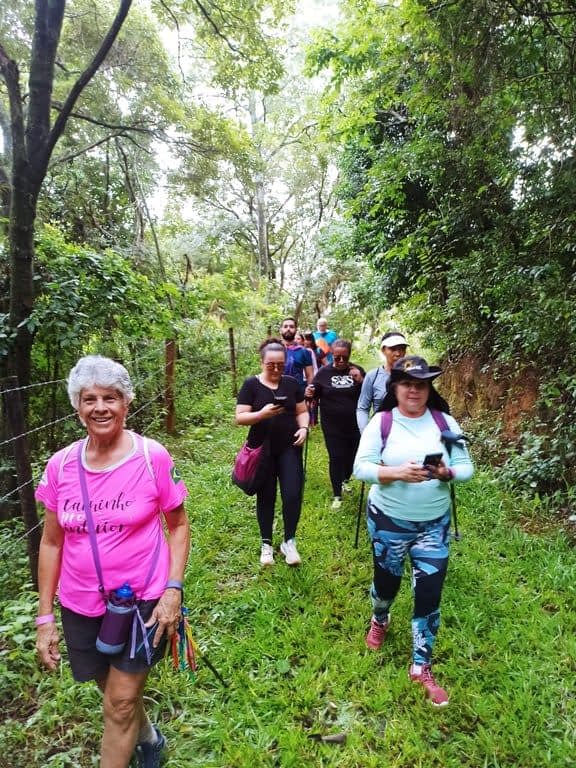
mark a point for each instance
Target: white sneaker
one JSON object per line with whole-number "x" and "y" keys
{"x": 337, "y": 502}
{"x": 267, "y": 555}
{"x": 346, "y": 488}
{"x": 288, "y": 549}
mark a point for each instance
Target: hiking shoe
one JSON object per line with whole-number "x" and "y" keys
{"x": 337, "y": 502}
{"x": 423, "y": 675}
{"x": 148, "y": 754}
{"x": 346, "y": 488}
{"x": 267, "y": 555}
{"x": 288, "y": 549}
{"x": 376, "y": 634}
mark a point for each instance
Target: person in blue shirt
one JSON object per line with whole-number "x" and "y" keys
{"x": 325, "y": 338}
{"x": 298, "y": 359}
{"x": 375, "y": 385}
{"x": 409, "y": 508}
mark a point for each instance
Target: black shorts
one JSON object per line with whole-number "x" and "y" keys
{"x": 80, "y": 633}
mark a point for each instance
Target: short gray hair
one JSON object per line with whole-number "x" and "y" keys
{"x": 98, "y": 371}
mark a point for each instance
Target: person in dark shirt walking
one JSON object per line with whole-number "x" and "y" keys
{"x": 337, "y": 388}
{"x": 272, "y": 405}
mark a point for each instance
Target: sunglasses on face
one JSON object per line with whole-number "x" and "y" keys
{"x": 274, "y": 366}
{"x": 345, "y": 358}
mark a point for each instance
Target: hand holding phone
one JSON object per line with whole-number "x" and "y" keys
{"x": 280, "y": 400}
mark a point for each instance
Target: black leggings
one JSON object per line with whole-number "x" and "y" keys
{"x": 341, "y": 453}
{"x": 287, "y": 469}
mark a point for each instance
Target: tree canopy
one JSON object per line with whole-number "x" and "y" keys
{"x": 419, "y": 163}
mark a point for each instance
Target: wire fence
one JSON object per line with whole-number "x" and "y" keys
{"x": 191, "y": 373}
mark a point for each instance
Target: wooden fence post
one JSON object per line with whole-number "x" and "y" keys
{"x": 170, "y": 348}
{"x": 16, "y": 428}
{"x": 233, "y": 362}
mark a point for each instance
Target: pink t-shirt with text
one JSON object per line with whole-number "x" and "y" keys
{"x": 126, "y": 501}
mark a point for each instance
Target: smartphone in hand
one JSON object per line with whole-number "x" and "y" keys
{"x": 280, "y": 399}
{"x": 432, "y": 459}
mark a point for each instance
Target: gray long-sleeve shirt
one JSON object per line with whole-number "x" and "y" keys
{"x": 374, "y": 388}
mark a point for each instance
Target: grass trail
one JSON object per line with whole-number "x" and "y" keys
{"x": 290, "y": 642}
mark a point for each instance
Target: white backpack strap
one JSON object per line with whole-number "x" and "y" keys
{"x": 65, "y": 455}
{"x": 146, "y": 449}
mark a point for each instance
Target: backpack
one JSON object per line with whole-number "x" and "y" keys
{"x": 292, "y": 367}
{"x": 448, "y": 437}
{"x": 438, "y": 416}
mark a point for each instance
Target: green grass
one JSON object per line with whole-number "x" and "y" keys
{"x": 290, "y": 643}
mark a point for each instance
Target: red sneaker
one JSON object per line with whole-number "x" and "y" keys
{"x": 376, "y": 634}
{"x": 423, "y": 675}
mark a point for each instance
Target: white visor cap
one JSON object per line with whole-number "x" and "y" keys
{"x": 394, "y": 341}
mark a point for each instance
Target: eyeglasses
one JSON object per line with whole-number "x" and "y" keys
{"x": 274, "y": 366}
{"x": 413, "y": 384}
{"x": 342, "y": 357}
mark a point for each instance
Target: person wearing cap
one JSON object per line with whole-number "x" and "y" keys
{"x": 408, "y": 508}
{"x": 392, "y": 347}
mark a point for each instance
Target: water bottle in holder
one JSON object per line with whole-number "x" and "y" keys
{"x": 117, "y": 620}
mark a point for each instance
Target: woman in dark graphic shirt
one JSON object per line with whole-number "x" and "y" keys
{"x": 337, "y": 388}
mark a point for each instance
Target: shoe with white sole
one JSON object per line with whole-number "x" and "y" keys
{"x": 288, "y": 549}
{"x": 267, "y": 554}
{"x": 336, "y": 502}
{"x": 423, "y": 675}
{"x": 346, "y": 488}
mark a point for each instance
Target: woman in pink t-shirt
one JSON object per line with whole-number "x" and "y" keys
{"x": 131, "y": 484}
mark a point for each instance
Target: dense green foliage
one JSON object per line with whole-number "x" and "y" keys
{"x": 456, "y": 125}
{"x": 193, "y": 191}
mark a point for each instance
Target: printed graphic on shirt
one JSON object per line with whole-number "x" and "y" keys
{"x": 112, "y": 514}
{"x": 344, "y": 381}
{"x": 175, "y": 475}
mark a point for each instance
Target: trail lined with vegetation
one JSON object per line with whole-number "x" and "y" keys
{"x": 172, "y": 171}
{"x": 290, "y": 643}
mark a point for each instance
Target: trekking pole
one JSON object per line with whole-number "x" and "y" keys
{"x": 185, "y": 649}
{"x": 213, "y": 669}
{"x": 457, "y": 536}
{"x": 360, "y": 505}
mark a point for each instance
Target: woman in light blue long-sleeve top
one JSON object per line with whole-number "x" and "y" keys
{"x": 409, "y": 506}
{"x": 375, "y": 385}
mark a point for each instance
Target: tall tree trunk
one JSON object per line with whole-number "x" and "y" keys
{"x": 21, "y": 249}
{"x": 261, "y": 223}
{"x": 264, "y": 266}
{"x": 32, "y": 141}
{"x": 4, "y": 199}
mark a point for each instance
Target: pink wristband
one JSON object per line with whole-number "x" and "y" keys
{"x": 48, "y": 618}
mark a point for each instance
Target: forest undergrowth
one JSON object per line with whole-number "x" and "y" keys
{"x": 290, "y": 644}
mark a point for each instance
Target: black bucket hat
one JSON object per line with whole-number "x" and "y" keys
{"x": 414, "y": 367}
{"x": 417, "y": 369}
